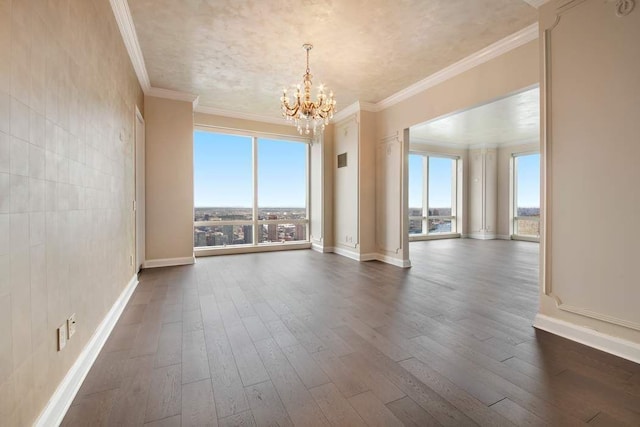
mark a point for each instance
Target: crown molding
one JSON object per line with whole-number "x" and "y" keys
{"x": 129, "y": 36}
{"x": 354, "y": 108}
{"x": 238, "y": 115}
{"x": 466, "y": 146}
{"x": 500, "y": 47}
{"x": 425, "y": 141}
{"x": 536, "y": 3}
{"x": 173, "y": 94}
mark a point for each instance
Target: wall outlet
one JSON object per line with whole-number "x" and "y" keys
{"x": 62, "y": 336}
{"x": 71, "y": 325}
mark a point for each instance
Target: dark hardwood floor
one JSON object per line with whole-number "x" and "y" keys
{"x": 301, "y": 338}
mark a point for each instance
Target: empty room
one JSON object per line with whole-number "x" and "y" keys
{"x": 258, "y": 213}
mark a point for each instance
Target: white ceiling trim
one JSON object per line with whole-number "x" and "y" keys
{"x": 500, "y": 47}
{"x": 238, "y": 115}
{"x": 130, "y": 37}
{"x": 172, "y": 94}
{"x": 536, "y": 3}
{"x": 354, "y": 108}
{"x": 425, "y": 141}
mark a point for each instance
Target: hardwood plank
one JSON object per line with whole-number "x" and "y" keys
{"x": 410, "y": 413}
{"x": 347, "y": 381}
{"x": 266, "y": 405}
{"x": 281, "y": 334}
{"x": 246, "y": 357}
{"x": 472, "y": 407}
{"x": 373, "y": 411}
{"x": 335, "y": 407}
{"x": 256, "y": 328}
{"x": 165, "y": 394}
{"x": 90, "y": 410}
{"x": 169, "y": 344}
{"x": 439, "y": 408}
{"x": 165, "y": 422}
{"x": 305, "y": 366}
{"x": 243, "y": 419}
{"x": 516, "y": 414}
{"x": 107, "y": 373}
{"x": 227, "y": 385}
{"x": 198, "y": 406}
{"x": 195, "y": 363}
{"x": 384, "y": 389}
{"x": 130, "y": 405}
{"x": 296, "y": 399}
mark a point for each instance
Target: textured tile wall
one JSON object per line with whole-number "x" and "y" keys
{"x": 67, "y": 102}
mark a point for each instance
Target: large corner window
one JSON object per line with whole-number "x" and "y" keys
{"x": 249, "y": 191}
{"x": 432, "y": 196}
{"x": 526, "y": 196}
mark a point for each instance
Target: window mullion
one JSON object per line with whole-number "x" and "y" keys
{"x": 254, "y": 146}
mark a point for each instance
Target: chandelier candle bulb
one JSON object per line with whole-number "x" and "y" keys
{"x": 306, "y": 114}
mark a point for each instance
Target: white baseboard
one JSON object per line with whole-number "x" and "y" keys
{"x": 347, "y": 253}
{"x": 481, "y": 236}
{"x": 503, "y": 237}
{"x": 394, "y": 261}
{"x": 373, "y": 256}
{"x": 369, "y": 257}
{"x": 62, "y": 398}
{"x": 322, "y": 249}
{"x": 168, "y": 262}
{"x": 617, "y": 346}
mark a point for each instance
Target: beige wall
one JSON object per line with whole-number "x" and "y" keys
{"x": 67, "y": 104}
{"x": 367, "y": 179}
{"x": 505, "y": 154}
{"x": 346, "y": 185}
{"x": 592, "y": 155}
{"x": 169, "y": 178}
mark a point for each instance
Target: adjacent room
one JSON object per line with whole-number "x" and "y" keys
{"x": 218, "y": 213}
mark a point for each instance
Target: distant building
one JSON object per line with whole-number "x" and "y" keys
{"x": 247, "y": 230}
{"x": 200, "y": 238}
{"x": 272, "y": 230}
{"x": 301, "y": 231}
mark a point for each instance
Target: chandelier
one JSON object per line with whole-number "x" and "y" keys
{"x": 308, "y": 115}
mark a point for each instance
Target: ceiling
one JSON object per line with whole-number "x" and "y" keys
{"x": 238, "y": 55}
{"x": 515, "y": 118}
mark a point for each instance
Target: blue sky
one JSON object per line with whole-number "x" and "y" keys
{"x": 528, "y": 181}
{"x": 223, "y": 174}
{"x": 440, "y": 195}
{"x": 440, "y": 170}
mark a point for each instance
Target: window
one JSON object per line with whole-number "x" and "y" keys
{"x": 248, "y": 190}
{"x": 526, "y": 196}
{"x": 432, "y": 195}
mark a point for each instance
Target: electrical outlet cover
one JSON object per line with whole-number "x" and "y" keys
{"x": 71, "y": 325}
{"x": 62, "y": 337}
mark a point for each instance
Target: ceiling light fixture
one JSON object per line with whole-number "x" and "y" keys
{"x": 306, "y": 114}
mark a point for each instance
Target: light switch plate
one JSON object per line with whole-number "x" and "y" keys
{"x": 62, "y": 336}
{"x": 71, "y": 325}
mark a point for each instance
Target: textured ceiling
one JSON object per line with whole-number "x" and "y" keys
{"x": 512, "y": 119}
{"x": 238, "y": 55}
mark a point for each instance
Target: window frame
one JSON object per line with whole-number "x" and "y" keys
{"x": 426, "y": 235}
{"x": 513, "y": 205}
{"x": 255, "y": 222}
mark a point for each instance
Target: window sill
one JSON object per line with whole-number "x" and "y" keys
{"x": 420, "y": 237}
{"x": 525, "y": 238}
{"x": 249, "y": 249}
